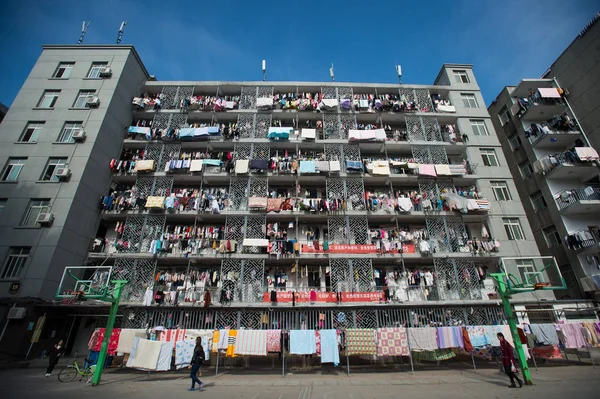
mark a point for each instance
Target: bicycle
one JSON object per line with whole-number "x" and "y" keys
{"x": 71, "y": 371}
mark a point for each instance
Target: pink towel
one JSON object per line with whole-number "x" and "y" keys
{"x": 427, "y": 170}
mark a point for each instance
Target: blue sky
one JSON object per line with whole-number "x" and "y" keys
{"x": 226, "y": 40}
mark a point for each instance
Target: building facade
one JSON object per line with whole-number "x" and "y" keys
{"x": 544, "y": 125}
{"x": 341, "y": 204}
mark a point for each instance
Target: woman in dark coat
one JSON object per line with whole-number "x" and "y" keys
{"x": 508, "y": 361}
{"x": 197, "y": 360}
{"x": 53, "y": 354}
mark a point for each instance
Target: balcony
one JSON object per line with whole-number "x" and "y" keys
{"x": 567, "y": 165}
{"x": 578, "y": 201}
{"x": 582, "y": 239}
{"x": 541, "y": 104}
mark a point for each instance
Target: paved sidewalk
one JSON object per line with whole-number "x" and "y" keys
{"x": 556, "y": 382}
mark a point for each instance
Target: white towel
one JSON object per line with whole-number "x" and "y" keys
{"x": 241, "y": 166}
{"x": 223, "y": 339}
{"x": 334, "y": 166}
{"x": 443, "y": 170}
{"x": 127, "y": 337}
{"x": 196, "y": 165}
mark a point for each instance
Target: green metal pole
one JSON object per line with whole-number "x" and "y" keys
{"x": 114, "y": 307}
{"x": 512, "y": 324}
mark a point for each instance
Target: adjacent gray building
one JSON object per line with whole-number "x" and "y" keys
{"x": 546, "y": 127}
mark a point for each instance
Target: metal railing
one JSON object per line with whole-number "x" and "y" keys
{"x": 582, "y": 239}
{"x": 566, "y": 198}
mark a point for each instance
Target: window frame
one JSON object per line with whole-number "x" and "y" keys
{"x": 486, "y": 154}
{"x": 16, "y": 260}
{"x": 41, "y": 205}
{"x": 526, "y": 165}
{"x": 467, "y": 98}
{"x": 80, "y": 94}
{"x": 504, "y": 115}
{"x": 502, "y": 186}
{"x": 68, "y": 66}
{"x": 480, "y": 124}
{"x": 539, "y": 195}
{"x": 95, "y": 69}
{"x": 557, "y": 241}
{"x": 54, "y": 163}
{"x": 512, "y": 226}
{"x": 36, "y": 126}
{"x": 10, "y": 165}
{"x": 515, "y": 146}
{"x": 65, "y": 137}
{"x": 460, "y": 76}
{"x": 56, "y": 94}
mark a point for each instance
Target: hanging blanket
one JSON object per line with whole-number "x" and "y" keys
{"x": 113, "y": 342}
{"x": 251, "y": 342}
{"x": 330, "y": 352}
{"x": 434, "y": 355}
{"x": 360, "y": 341}
{"x": 308, "y": 167}
{"x": 242, "y": 166}
{"x": 422, "y": 339}
{"x": 547, "y": 352}
{"x": 223, "y": 339}
{"x": 322, "y": 166}
{"x": 573, "y": 337}
{"x": 231, "y": 340}
{"x": 303, "y": 342}
{"x": 273, "y": 340}
{"x": 334, "y": 166}
{"x": 477, "y": 336}
{"x": 491, "y": 333}
{"x": 146, "y": 354}
{"x": 427, "y": 170}
{"x": 545, "y": 333}
{"x": 164, "y": 356}
{"x": 450, "y": 337}
{"x": 184, "y": 350}
{"x": 483, "y": 352}
{"x": 126, "y": 339}
{"x": 274, "y": 204}
{"x": 392, "y": 342}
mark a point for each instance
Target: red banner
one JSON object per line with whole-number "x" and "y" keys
{"x": 353, "y": 249}
{"x": 325, "y": 297}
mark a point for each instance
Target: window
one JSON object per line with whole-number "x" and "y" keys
{"x": 504, "y": 115}
{"x": 538, "y": 316}
{"x": 469, "y": 100}
{"x": 66, "y": 136}
{"x": 461, "y": 76}
{"x": 36, "y": 206}
{"x": 478, "y": 126}
{"x": 64, "y": 70}
{"x": 526, "y": 170}
{"x": 489, "y": 157}
{"x": 15, "y": 262}
{"x": 513, "y": 228}
{"x": 501, "y": 191}
{"x": 13, "y": 168}
{"x": 48, "y": 99}
{"x": 82, "y": 97}
{"x": 552, "y": 237}
{"x": 538, "y": 201}
{"x": 32, "y": 132}
{"x": 515, "y": 142}
{"x": 52, "y": 167}
{"x": 95, "y": 69}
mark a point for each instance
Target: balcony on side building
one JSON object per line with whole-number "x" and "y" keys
{"x": 578, "y": 164}
{"x": 538, "y": 100}
{"x": 578, "y": 201}
{"x": 557, "y": 133}
{"x": 582, "y": 239}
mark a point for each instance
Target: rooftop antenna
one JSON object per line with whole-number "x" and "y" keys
{"x": 264, "y": 69}
{"x": 331, "y": 73}
{"x": 120, "y": 36}
{"x": 399, "y": 72}
{"x": 84, "y": 28}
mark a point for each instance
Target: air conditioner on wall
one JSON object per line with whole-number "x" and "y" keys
{"x": 79, "y": 135}
{"x": 93, "y": 101}
{"x": 106, "y": 71}
{"x": 62, "y": 173}
{"x": 16, "y": 313}
{"x": 45, "y": 218}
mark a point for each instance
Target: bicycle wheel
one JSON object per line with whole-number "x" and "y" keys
{"x": 67, "y": 374}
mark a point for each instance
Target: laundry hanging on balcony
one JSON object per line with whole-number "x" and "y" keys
{"x": 279, "y": 133}
{"x": 309, "y": 134}
{"x": 549, "y": 92}
{"x": 242, "y": 166}
{"x": 586, "y": 153}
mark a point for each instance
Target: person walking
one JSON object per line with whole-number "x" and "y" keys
{"x": 53, "y": 355}
{"x": 508, "y": 362}
{"x": 197, "y": 360}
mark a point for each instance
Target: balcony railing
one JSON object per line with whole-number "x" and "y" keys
{"x": 581, "y": 239}
{"x": 566, "y": 198}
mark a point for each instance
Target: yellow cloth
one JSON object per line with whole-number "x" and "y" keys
{"x": 215, "y": 343}
{"x": 155, "y": 202}
{"x": 231, "y": 343}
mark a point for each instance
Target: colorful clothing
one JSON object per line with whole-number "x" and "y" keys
{"x": 477, "y": 336}
{"x": 392, "y": 342}
{"x": 113, "y": 343}
{"x": 360, "y": 341}
{"x": 273, "y": 340}
{"x": 450, "y": 337}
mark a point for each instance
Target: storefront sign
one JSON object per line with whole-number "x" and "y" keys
{"x": 354, "y": 249}
{"x": 325, "y": 297}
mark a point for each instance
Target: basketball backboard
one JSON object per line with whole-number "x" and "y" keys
{"x": 535, "y": 273}
{"x": 91, "y": 282}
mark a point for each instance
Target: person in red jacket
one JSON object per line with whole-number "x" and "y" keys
{"x": 508, "y": 361}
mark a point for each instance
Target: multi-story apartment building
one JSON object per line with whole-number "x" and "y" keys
{"x": 342, "y": 204}
{"x": 549, "y": 129}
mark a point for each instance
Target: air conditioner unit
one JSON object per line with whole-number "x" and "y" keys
{"x": 16, "y": 313}
{"x": 106, "y": 71}
{"x": 93, "y": 101}
{"x": 45, "y": 218}
{"x": 62, "y": 173}
{"x": 79, "y": 135}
